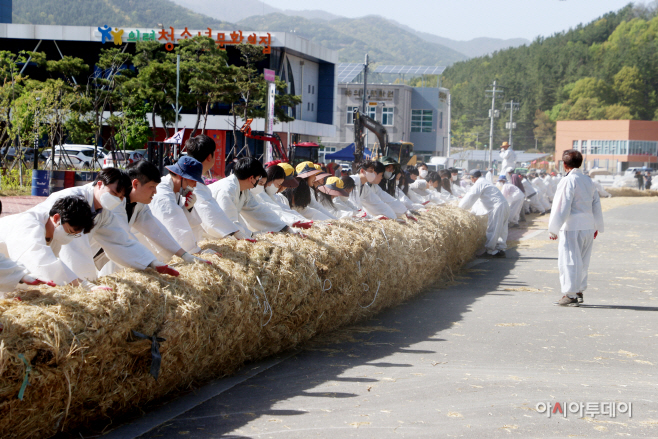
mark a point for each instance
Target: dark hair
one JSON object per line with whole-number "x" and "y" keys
{"x": 348, "y": 183}
{"x": 113, "y": 175}
{"x": 75, "y": 211}
{"x": 419, "y": 164}
{"x": 413, "y": 171}
{"x": 275, "y": 173}
{"x": 249, "y": 167}
{"x": 299, "y": 196}
{"x": 433, "y": 176}
{"x": 404, "y": 183}
{"x": 445, "y": 183}
{"x": 444, "y": 173}
{"x": 200, "y": 147}
{"x": 572, "y": 158}
{"x": 325, "y": 198}
{"x": 143, "y": 171}
{"x": 367, "y": 164}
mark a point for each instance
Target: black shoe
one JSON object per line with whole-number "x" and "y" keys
{"x": 567, "y": 301}
{"x": 543, "y": 213}
{"x": 513, "y": 226}
{"x": 580, "y": 297}
{"x": 500, "y": 254}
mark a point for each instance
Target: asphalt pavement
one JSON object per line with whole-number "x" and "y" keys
{"x": 487, "y": 355}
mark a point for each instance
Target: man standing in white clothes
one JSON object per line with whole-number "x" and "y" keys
{"x": 577, "y": 219}
{"x": 508, "y": 156}
{"x": 514, "y": 197}
{"x": 497, "y": 210}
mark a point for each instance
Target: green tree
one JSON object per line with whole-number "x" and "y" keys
{"x": 544, "y": 131}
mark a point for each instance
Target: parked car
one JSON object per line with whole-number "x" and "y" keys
{"x": 85, "y": 153}
{"x": 122, "y": 159}
{"x": 65, "y": 161}
{"x": 28, "y": 154}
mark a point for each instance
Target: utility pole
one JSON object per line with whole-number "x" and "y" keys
{"x": 178, "y": 108}
{"x": 493, "y": 113}
{"x": 511, "y": 125}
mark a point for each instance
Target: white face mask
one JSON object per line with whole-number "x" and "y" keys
{"x": 60, "y": 238}
{"x": 259, "y": 189}
{"x": 388, "y": 175}
{"x": 271, "y": 190}
{"x": 109, "y": 201}
{"x": 422, "y": 173}
{"x": 370, "y": 176}
{"x": 454, "y": 178}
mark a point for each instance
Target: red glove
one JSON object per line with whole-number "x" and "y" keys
{"x": 413, "y": 218}
{"x": 165, "y": 269}
{"x": 303, "y": 225}
{"x": 382, "y": 217}
{"x": 29, "y": 280}
{"x": 253, "y": 241}
{"x": 426, "y": 203}
{"x": 596, "y": 234}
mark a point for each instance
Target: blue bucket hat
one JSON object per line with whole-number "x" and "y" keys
{"x": 502, "y": 178}
{"x": 188, "y": 167}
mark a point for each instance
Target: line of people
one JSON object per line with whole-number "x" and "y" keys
{"x": 137, "y": 219}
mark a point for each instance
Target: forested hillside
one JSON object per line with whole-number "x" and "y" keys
{"x": 607, "y": 69}
{"x": 146, "y": 13}
{"x": 353, "y": 38}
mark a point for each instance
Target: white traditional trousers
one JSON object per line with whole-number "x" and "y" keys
{"x": 574, "y": 252}
{"x": 497, "y": 228}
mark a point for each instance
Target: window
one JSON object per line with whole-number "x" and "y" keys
{"x": 387, "y": 116}
{"x": 309, "y": 88}
{"x": 583, "y": 146}
{"x": 576, "y": 145}
{"x": 308, "y": 106}
{"x": 313, "y": 106}
{"x": 421, "y": 121}
{"x": 372, "y": 112}
{"x": 441, "y": 120}
{"x": 313, "y": 90}
{"x": 350, "y": 115}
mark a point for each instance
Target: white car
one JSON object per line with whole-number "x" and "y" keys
{"x": 66, "y": 155}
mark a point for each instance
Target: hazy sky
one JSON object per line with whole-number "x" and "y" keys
{"x": 466, "y": 19}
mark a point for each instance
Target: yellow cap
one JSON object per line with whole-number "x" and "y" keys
{"x": 300, "y": 167}
{"x": 289, "y": 170}
{"x": 335, "y": 181}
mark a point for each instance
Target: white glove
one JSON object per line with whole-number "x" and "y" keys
{"x": 190, "y": 198}
{"x": 93, "y": 287}
{"x": 191, "y": 259}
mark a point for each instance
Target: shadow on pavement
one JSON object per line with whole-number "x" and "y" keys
{"x": 330, "y": 357}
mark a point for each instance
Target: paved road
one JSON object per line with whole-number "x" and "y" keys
{"x": 470, "y": 359}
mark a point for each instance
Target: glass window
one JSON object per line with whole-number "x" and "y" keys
{"x": 350, "y": 115}
{"x": 372, "y": 112}
{"x": 421, "y": 121}
{"x": 441, "y": 120}
{"x": 576, "y": 145}
{"x": 387, "y": 116}
{"x": 583, "y": 146}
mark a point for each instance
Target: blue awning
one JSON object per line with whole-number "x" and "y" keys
{"x": 346, "y": 154}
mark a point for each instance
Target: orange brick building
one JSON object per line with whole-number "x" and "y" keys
{"x": 612, "y": 144}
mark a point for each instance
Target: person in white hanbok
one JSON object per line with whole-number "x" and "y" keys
{"x": 109, "y": 238}
{"x": 508, "y": 156}
{"x": 368, "y": 195}
{"x": 235, "y": 197}
{"x": 532, "y": 197}
{"x": 542, "y": 191}
{"x": 497, "y": 211}
{"x": 576, "y": 220}
{"x": 214, "y": 222}
{"x": 330, "y": 193}
{"x": 173, "y": 206}
{"x": 140, "y": 221}
{"x": 33, "y": 240}
{"x": 276, "y": 182}
{"x": 514, "y": 197}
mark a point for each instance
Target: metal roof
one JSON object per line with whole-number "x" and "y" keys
{"x": 346, "y": 72}
{"x": 412, "y": 70}
{"x": 483, "y": 156}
